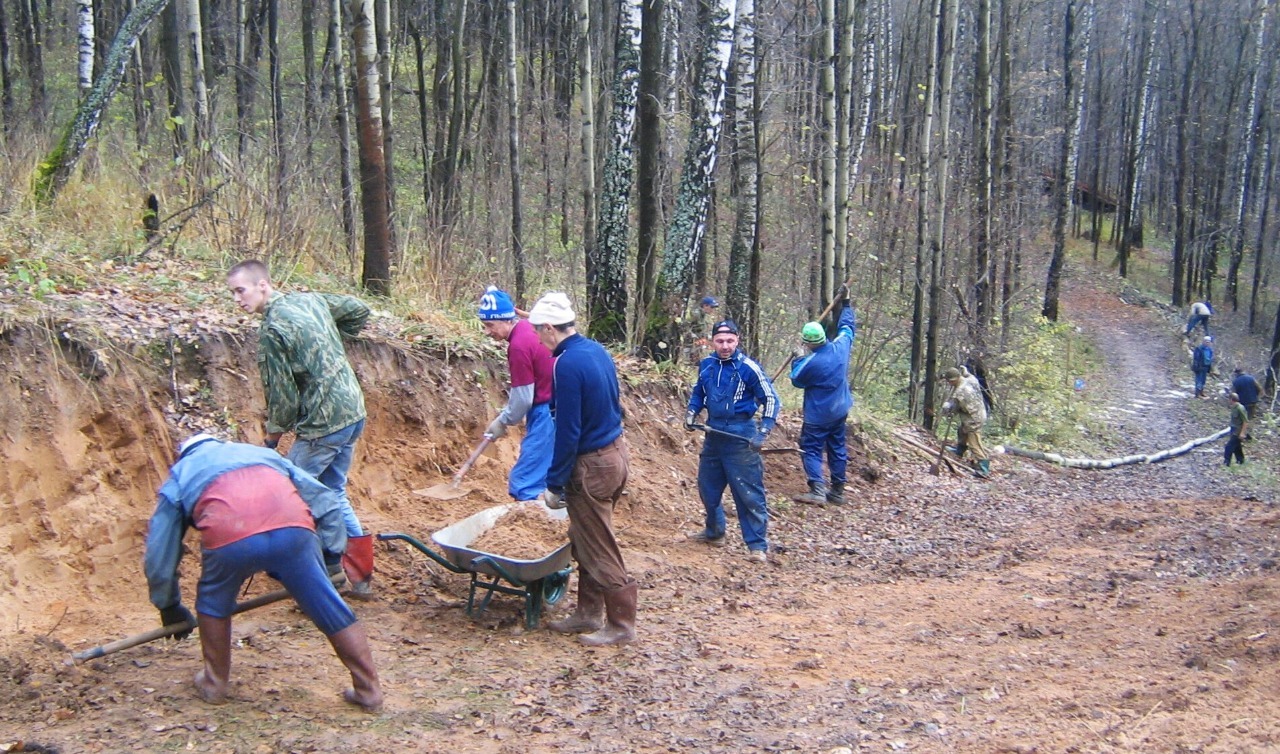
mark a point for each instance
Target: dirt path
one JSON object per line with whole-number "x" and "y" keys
{"x": 1050, "y": 610}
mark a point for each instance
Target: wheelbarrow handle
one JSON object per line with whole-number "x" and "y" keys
{"x": 420, "y": 547}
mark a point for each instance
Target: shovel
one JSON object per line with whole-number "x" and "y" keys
{"x": 942, "y": 440}
{"x": 454, "y": 489}
{"x": 763, "y": 451}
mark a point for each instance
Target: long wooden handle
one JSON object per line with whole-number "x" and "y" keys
{"x": 176, "y": 628}
{"x": 818, "y": 318}
{"x": 471, "y": 460}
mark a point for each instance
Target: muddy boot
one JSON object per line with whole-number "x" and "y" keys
{"x": 984, "y": 468}
{"x": 358, "y": 564}
{"x": 836, "y": 495}
{"x": 588, "y": 616}
{"x": 620, "y": 610}
{"x": 352, "y": 647}
{"x": 817, "y": 494}
{"x": 215, "y": 645}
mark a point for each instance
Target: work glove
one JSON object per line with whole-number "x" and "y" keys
{"x": 691, "y": 421}
{"x": 270, "y": 443}
{"x": 177, "y": 614}
{"x": 842, "y": 296}
{"x": 496, "y": 429}
{"x": 757, "y": 442}
{"x": 553, "y": 500}
{"x": 948, "y": 407}
{"x": 799, "y": 353}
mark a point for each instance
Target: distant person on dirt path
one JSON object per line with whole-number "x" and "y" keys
{"x": 588, "y": 474}
{"x": 256, "y": 512}
{"x": 1202, "y": 364}
{"x": 1200, "y": 313}
{"x": 529, "y": 399}
{"x": 1239, "y": 428}
{"x": 695, "y": 338}
{"x": 965, "y": 403}
{"x": 311, "y": 389}
{"x": 821, "y": 370}
{"x": 1246, "y": 386}
{"x": 732, "y": 387}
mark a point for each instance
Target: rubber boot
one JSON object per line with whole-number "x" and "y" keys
{"x": 836, "y": 495}
{"x": 352, "y": 647}
{"x": 588, "y": 616}
{"x": 215, "y": 644}
{"x": 984, "y": 468}
{"x": 357, "y": 561}
{"x": 817, "y": 494}
{"x": 620, "y": 611}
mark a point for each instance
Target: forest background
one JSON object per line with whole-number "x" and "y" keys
{"x": 948, "y": 157}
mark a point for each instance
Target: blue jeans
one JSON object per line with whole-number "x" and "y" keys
{"x": 328, "y": 459}
{"x": 292, "y": 556}
{"x": 726, "y": 461}
{"x": 829, "y": 437}
{"x": 1198, "y": 319}
{"x": 1233, "y": 448}
{"x": 1200, "y": 380}
{"x": 529, "y": 475}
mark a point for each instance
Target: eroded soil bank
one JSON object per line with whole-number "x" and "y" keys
{"x": 1048, "y": 610}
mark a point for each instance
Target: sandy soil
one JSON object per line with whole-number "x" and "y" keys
{"x": 1048, "y": 610}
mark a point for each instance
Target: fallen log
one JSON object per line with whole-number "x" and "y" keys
{"x": 1111, "y": 463}
{"x": 926, "y": 451}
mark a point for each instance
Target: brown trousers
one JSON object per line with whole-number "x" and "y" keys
{"x": 593, "y": 490}
{"x": 973, "y": 441}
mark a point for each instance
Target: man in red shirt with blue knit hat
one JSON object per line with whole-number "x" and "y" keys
{"x": 530, "y": 397}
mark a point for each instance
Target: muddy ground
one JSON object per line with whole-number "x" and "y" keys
{"x": 1047, "y": 610}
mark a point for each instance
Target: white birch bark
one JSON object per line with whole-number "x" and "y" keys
{"x": 746, "y": 163}
{"x": 86, "y": 39}
{"x": 199, "y": 88}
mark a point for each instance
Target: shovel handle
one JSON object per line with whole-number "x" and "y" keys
{"x": 818, "y": 318}
{"x": 471, "y": 460}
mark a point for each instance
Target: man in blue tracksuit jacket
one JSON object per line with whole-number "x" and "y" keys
{"x": 822, "y": 372}
{"x": 731, "y": 387}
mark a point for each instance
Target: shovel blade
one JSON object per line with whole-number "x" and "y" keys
{"x": 442, "y": 491}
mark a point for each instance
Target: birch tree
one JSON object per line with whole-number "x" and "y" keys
{"x": 1248, "y": 150}
{"x": 607, "y": 266}
{"x": 376, "y": 274}
{"x": 513, "y": 153}
{"x": 342, "y": 121}
{"x": 199, "y": 87}
{"x": 86, "y": 40}
{"x": 693, "y": 198}
{"x": 587, "y": 131}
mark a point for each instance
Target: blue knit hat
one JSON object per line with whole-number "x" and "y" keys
{"x": 496, "y": 304}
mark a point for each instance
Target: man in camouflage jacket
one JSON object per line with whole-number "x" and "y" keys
{"x": 311, "y": 389}
{"x": 967, "y": 406}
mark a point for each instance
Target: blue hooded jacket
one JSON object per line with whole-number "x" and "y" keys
{"x": 731, "y": 390}
{"x": 824, "y": 375}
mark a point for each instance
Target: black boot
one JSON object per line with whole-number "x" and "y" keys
{"x": 836, "y": 495}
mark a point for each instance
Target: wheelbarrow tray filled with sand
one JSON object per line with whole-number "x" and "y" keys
{"x": 540, "y": 580}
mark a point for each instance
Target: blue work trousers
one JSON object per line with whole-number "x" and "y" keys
{"x": 328, "y": 459}
{"x": 529, "y": 476}
{"x": 290, "y": 555}
{"x": 815, "y": 439}
{"x": 1201, "y": 377}
{"x": 1198, "y": 319}
{"x": 727, "y": 461}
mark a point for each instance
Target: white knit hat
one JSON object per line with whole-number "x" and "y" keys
{"x": 193, "y": 441}
{"x": 552, "y": 309}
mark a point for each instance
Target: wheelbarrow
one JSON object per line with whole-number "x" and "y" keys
{"x": 541, "y": 582}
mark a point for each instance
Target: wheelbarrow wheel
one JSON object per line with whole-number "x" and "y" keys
{"x": 555, "y": 586}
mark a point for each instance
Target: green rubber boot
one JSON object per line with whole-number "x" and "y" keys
{"x": 984, "y": 468}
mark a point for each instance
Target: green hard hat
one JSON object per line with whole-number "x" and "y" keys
{"x": 813, "y": 333}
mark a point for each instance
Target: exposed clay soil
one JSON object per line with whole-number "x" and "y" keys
{"x": 1048, "y": 610}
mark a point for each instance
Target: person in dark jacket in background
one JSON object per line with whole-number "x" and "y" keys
{"x": 821, "y": 370}
{"x": 1239, "y": 429}
{"x": 1202, "y": 364}
{"x": 255, "y": 511}
{"x": 732, "y": 387}
{"x": 1246, "y": 386}
{"x": 588, "y": 473}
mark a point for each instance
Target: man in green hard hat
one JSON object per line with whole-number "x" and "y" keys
{"x": 821, "y": 370}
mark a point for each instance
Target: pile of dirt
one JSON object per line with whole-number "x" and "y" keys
{"x": 526, "y": 532}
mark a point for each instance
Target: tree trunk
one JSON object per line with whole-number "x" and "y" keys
{"x": 171, "y": 43}
{"x": 937, "y": 245}
{"x": 827, "y": 160}
{"x": 983, "y": 206}
{"x": 1248, "y": 151}
{"x": 1075, "y": 57}
{"x": 376, "y": 275}
{"x": 648, "y": 161}
{"x": 385, "y": 57}
{"x": 310, "y": 92}
{"x": 6, "y": 73}
{"x": 688, "y": 223}
{"x": 281, "y": 187}
{"x": 587, "y": 133}
{"x": 199, "y": 88}
{"x": 513, "y": 141}
{"x": 32, "y": 44}
{"x": 745, "y": 246}
{"x": 87, "y": 40}
{"x": 343, "y": 122}
{"x": 1270, "y": 159}
{"x": 56, "y": 168}
{"x": 1180, "y": 159}
{"x": 924, "y": 196}
{"x": 607, "y": 267}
